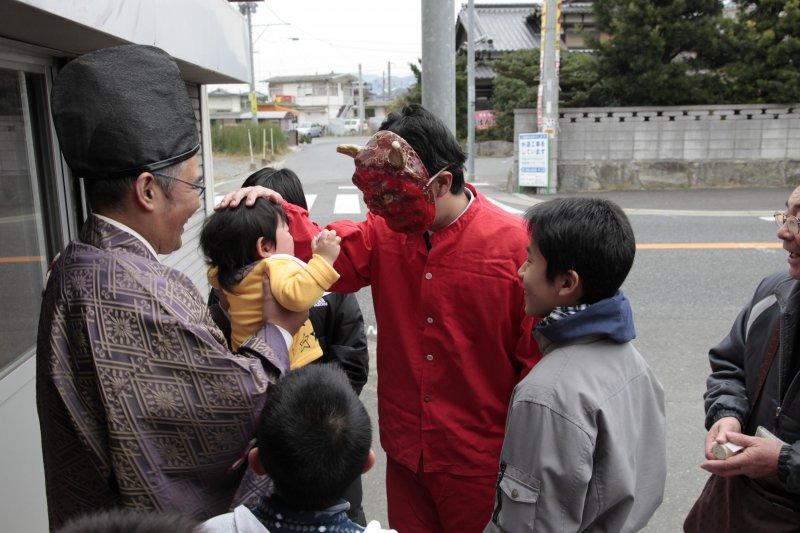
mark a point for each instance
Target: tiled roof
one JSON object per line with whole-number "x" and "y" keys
{"x": 502, "y": 27}
{"x": 508, "y": 27}
{"x": 484, "y": 72}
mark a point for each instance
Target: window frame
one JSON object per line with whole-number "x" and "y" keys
{"x": 58, "y": 228}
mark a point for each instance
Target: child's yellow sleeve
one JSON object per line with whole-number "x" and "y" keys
{"x": 297, "y": 288}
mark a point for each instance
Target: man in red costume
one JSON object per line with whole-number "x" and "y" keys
{"x": 454, "y": 340}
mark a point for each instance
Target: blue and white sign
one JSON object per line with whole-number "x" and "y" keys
{"x": 534, "y": 155}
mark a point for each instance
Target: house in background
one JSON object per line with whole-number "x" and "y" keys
{"x": 227, "y": 108}
{"x": 223, "y": 101}
{"x": 317, "y": 98}
{"x": 503, "y": 28}
{"x": 42, "y": 205}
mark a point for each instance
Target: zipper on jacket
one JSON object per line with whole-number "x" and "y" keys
{"x": 499, "y": 503}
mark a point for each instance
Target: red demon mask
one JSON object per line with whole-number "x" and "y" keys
{"x": 395, "y": 183}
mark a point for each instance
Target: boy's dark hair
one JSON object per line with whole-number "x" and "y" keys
{"x": 229, "y": 237}
{"x": 314, "y": 436}
{"x": 430, "y": 138}
{"x": 129, "y": 521}
{"x": 591, "y": 236}
{"x": 283, "y": 181}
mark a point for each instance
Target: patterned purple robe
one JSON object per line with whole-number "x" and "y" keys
{"x": 140, "y": 402}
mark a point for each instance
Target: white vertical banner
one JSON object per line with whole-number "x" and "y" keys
{"x": 534, "y": 156}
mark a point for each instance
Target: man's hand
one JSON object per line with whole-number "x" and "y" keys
{"x": 719, "y": 433}
{"x": 250, "y": 195}
{"x": 327, "y": 245}
{"x": 274, "y": 313}
{"x": 758, "y": 459}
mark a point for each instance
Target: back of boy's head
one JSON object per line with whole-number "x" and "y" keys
{"x": 591, "y": 236}
{"x": 435, "y": 144}
{"x": 283, "y": 181}
{"x": 229, "y": 237}
{"x": 314, "y": 436}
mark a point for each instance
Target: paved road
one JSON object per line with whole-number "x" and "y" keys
{"x": 684, "y": 300}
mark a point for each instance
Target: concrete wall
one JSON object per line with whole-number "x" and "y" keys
{"x": 667, "y": 147}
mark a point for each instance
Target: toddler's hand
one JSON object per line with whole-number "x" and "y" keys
{"x": 326, "y": 244}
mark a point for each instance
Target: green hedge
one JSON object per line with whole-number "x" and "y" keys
{"x": 232, "y": 139}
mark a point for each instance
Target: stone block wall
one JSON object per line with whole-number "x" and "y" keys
{"x": 682, "y": 146}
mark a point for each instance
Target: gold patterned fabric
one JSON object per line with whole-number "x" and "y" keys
{"x": 141, "y": 405}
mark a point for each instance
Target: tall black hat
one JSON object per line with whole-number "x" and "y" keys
{"x": 121, "y": 111}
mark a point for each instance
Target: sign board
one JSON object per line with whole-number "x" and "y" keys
{"x": 484, "y": 119}
{"x": 534, "y": 156}
{"x": 253, "y": 103}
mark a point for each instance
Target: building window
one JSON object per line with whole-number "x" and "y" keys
{"x": 26, "y": 210}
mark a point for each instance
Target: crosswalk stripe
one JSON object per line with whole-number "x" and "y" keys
{"x": 310, "y": 199}
{"x": 504, "y": 207}
{"x": 346, "y": 204}
{"x": 348, "y": 187}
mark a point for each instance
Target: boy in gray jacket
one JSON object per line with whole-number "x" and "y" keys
{"x": 585, "y": 445}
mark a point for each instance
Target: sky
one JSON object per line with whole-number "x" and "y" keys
{"x": 320, "y": 36}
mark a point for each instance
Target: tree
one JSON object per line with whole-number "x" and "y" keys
{"x": 414, "y": 94}
{"x": 658, "y": 52}
{"x": 764, "y": 51}
{"x": 516, "y": 84}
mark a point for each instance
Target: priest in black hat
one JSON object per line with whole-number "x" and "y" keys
{"x": 140, "y": 401}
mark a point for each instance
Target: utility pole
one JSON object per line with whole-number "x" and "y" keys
{"x": 389, "y": 80}
{"x": 547, "y": 101}
{"x": 439, "y": 60}
{"x": 248, "y": 8}
{"x": 360, "y": 102}
{"x": 471, "y": 90}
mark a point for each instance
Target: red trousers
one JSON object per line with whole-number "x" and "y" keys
{"x": 432, "y": 502}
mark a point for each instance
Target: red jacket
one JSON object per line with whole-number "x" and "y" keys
{"x": 453, "y": 339}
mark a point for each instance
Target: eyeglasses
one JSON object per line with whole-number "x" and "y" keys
{"x": 792, "y": 223}
{"x": 201, "y": 189}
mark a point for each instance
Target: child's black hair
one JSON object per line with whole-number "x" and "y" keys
{"x": 431, "y": 139}
{"x": 314, "y": 436}
{"x": 229, "y": 237}
{"x": 283, "y": 181}
{"x": 591, "y": 236}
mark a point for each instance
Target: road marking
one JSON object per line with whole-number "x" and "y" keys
{"x": 346, "y": 204}
{"x": 348, "y": 187}
{"x": 310, "y": 199}
{"x": 767, "y": 219}
{"x": 21, "y": 259}
{"x": 504, "y": 207}
{"x": 709, "y": 246}
{"x": 218, "y": 198}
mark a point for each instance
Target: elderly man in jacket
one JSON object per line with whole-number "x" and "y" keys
{"x": 761, "y": 354}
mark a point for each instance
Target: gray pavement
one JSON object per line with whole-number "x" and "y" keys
{"x": 684, "y": 301}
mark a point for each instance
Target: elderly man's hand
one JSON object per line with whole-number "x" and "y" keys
{"x": 758, "y": 459}
{"x": 719, "y": 433}
{"x": 249, "y": 195}
{"x": 274, "y": 313}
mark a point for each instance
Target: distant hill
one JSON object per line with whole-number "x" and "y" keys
{"x": 398, "y": 83}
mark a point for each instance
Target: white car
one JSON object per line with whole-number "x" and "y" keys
{"x": 352, "y": 125}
